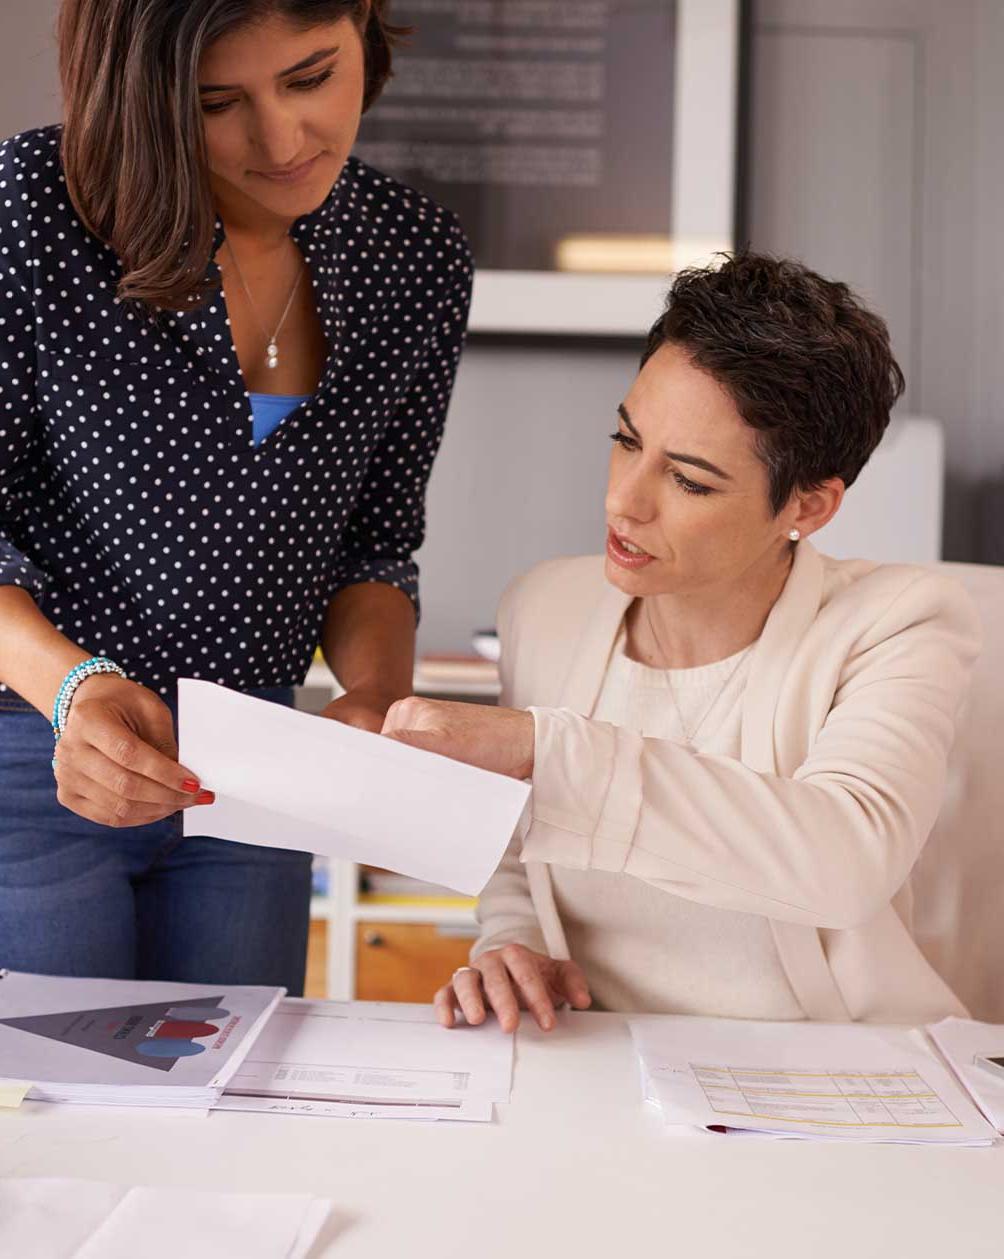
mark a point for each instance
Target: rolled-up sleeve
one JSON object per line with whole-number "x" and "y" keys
{"x": 18, "y": 408}
{"x": 387, "y": 525}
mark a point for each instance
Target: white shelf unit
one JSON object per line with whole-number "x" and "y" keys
{"x": 340, "y": 907}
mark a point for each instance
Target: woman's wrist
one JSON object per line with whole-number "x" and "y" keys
{"x": 528, "y": 738}
{"x": 501, "y": 740}
{"x": 96, "y": 666}
{"x": 35, "y": 656}
{"x": 368, "y": 641}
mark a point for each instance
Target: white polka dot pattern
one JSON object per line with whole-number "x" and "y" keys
{"x": 134, "y": 504}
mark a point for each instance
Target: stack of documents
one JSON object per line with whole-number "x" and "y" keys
{"x": 285, "y": 779}
{"x": 372, "y": 1060}
{"x": 56, "y": 1218}
{"x": 833, "y": 1081}
{"x": 961, "y": 1042}
{"x": 126, "y": 1043}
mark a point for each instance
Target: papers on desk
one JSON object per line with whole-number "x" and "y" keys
{"x": 469, "y": 1112}
{"x": 853, "y": 1081}
{"x": 284, "y": 779}
{"x": 126, "y": 1043}
{"x": 962, "y": 1041}
{"x": 372, "y": 1060}
{"x": 59, "y": 1218}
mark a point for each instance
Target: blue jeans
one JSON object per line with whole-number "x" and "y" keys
{"x": 142, "y": 902}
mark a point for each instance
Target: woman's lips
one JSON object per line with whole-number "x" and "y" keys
{"x": 291, "y": 176}
{"x": 625, "y": 558}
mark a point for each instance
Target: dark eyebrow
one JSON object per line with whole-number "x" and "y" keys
{"x": 696, "y": 460}
{"x": 305, "y": 64}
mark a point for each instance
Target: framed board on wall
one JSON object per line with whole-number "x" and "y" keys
{"x": 588, "y": 146}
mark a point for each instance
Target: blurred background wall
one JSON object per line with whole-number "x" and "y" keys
{"x": 875, "y": 155}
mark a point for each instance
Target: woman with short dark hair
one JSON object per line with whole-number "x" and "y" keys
{"x": 226, "y": 352}
{"x": 738, "y": 746}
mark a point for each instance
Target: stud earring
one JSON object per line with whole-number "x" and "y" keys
{"x": 794, "y": 534}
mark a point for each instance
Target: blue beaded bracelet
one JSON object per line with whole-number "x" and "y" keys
{"x": 80, "y": 673}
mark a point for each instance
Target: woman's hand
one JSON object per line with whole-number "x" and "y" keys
{"x": 362, "y": 707}
{"x": 508, "y": 979}
{"x": 116, "y": 763}
{"x": 498, "y": 739}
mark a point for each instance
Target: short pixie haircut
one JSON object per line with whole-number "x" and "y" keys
{"x": 133, "y": 148}
{"x": 807, "y": 365}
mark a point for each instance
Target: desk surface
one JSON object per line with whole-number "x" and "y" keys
{"x": 574, "y": 1166}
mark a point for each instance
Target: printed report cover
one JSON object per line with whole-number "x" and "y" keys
{"x": 119, "y": 1032}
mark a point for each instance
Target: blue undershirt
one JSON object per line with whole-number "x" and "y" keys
{"x": 269, "y": 411}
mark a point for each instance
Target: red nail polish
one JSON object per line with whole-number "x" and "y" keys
{"x": 191, "y": 785}
{"x": 205, "y": 797}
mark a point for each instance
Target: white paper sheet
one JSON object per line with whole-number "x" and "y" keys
{"x": 830, "y": 1081}
{"x": 285, "y": 779}
{"x": 375, "y": 1054}
{"x": 416, "y": 1112}
{"x": 961, "y": 1040}
{"x": 58, "y": 1218}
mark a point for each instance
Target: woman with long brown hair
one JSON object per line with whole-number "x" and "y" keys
{"x": 226, "y": 351}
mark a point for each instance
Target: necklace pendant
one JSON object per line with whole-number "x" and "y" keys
{"x": 272, "y": 354}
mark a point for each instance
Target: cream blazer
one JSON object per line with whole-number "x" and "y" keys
{"x": 848, "y": 717}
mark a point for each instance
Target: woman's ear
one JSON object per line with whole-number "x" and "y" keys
{"x": 808, "y": 510}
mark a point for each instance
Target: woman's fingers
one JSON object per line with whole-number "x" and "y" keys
{"x": 128, "y": 750}
{"x": 525, "y": 969}
{"x": 444, "y": 1003}
{"x": 498, "y": 989}
{"x": 80, "y": 763}
{"x": 107, "y": 810}
{"x": 467, "y": 988}
{"x": 116, "y": 763}
{"x": 573, "y": 985}
{"x": 508, "y": 977}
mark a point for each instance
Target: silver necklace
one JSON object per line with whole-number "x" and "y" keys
{"x": 690, "y": 735}
{"x": 272, "y": 348}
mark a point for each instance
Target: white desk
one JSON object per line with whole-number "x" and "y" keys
{"x": 576, "y": 1166}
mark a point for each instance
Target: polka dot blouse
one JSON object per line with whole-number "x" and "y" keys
{"x": 134, "y": 504}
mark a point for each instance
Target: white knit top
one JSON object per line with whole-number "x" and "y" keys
{"x": 645, "y": 949}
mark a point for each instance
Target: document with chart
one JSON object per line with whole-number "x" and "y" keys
{"x": 832, "y": 1081}
{"x": 126, "y": 1042}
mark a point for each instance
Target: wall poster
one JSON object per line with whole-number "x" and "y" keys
{"x": 588, "y": 147}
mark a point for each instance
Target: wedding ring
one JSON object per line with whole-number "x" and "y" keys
{"x": 460, "y": 970}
